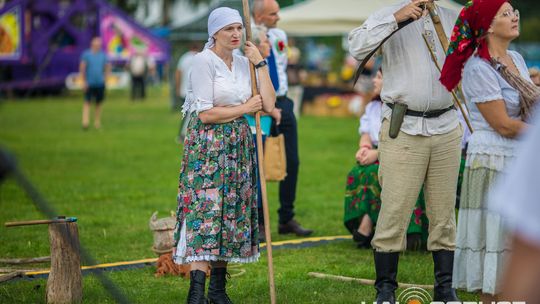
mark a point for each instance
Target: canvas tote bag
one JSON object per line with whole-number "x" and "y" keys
{"x": 275, "y": 161}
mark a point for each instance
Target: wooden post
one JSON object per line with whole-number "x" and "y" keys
{"x": 65, "y": 279}
{"x": 361, "y": 281}
{"x": 260, "y": 161}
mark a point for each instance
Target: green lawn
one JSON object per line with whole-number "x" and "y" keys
{"x": 114, "y": 179}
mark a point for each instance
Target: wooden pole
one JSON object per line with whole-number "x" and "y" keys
{"x": 65, "y": 279}
{"x": 40, "y": 222}
{"x": 361, "y": 281}
{"x": 7, "y": 270}
{"x": 260, "y": 159}
{"x": 10, "y": 276}
{"x": 26, "y": 260}
{"x": 437, "y": 24}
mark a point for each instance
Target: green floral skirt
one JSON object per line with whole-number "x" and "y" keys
{"x": 217, "y": 194}
{"x": 362, "y": 196}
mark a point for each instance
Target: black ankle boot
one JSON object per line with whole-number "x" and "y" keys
{"x": 196, "y": 287}
{"x": 386, "y": 266}
{"x": 443, "y": 261}
{"x": 216, "y": 289}
{"x": 361, "y": 240}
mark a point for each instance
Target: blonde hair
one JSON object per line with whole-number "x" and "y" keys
{"x": 533, "y": 72}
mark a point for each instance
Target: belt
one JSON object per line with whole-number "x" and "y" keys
{"x": 283, "y": 97}
{"x": 428, "y": 114}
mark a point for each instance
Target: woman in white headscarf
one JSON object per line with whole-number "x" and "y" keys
{"x": 217, "y": 193}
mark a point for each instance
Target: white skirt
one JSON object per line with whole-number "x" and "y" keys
{"x": 482, "y": 244}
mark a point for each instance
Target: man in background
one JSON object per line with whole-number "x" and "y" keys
{"x": 181, "y": 78}
{"x": 93, "y": 70}
{"x": 266, "y": 12}
{"x": 140, "y": 66}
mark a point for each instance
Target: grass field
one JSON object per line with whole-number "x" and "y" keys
{"x": 112, "y": 180}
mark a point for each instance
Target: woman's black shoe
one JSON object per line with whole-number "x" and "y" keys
{"x": 362, "y": 240}
{"x": 196, "y": 287}
{"x": 216, "y": 290}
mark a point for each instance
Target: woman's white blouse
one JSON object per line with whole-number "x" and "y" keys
{"x": 212, "y": 84}
{"x": 482, "y": 83}
{"x": 370, "y": 122}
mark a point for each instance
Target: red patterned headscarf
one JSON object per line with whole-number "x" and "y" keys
{"x": 469, "y": 35}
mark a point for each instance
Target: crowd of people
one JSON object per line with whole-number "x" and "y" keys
{"x": 417, "y": 158}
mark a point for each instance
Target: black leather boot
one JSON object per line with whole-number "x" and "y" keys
{"x": 216, "y": 289}
{"x": 386, "y": 266}
{"x": 443, "y": 261}
{"x": 196, "y": 287}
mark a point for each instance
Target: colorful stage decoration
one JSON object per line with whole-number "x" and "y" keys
{"x": 11, "y": 34}
{"x": 122, "y": 39}
{"x": 41, "y": 42}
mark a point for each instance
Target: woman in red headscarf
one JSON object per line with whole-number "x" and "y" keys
{"x": 479, "y": 54}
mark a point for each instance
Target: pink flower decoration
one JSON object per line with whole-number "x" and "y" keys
{"x": 463, "y": 45}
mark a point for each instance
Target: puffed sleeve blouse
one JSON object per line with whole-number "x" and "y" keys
{"x": 483, "y": 83}
{"x": 212, "y": 84}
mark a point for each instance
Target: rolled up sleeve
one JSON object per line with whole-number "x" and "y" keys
{"x": 366, "y": 38}
{"x": 202, "y": 89}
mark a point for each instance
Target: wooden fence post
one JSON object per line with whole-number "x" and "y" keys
{"x": 65, "y": 279}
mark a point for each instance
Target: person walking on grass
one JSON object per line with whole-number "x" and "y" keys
{"x": 424, "y": 147}
{"x": 140, "y": 66}
{"x": 93, "y": 70}
{"x": 217, "y": 217}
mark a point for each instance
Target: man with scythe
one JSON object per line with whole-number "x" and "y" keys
{"x": 419, "y": 141}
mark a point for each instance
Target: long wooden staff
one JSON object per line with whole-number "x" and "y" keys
{"x": 454, "y": 95}
{"x": 444, "y": 42}
{"x": 254, "y": 91}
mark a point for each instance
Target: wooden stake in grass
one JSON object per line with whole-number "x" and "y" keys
{"x": 361, "y": 281}
{"x": 254, "y": 91}
{"x": 64, "y": 284}
{"x": 26, "y": 260}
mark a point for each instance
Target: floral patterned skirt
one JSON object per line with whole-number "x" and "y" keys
{"x": 217, "y": 194}
{"x": 362, "y": 196}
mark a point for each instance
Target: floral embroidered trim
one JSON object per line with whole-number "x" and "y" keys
{"x": 462, "y": 35}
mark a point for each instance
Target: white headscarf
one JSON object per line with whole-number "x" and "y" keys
{"x": 218, "y": 19}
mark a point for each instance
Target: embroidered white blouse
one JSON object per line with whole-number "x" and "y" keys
{"x": 212, "y": 83}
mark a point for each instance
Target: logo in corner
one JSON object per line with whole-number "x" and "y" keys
{"x": 414, "y": 295}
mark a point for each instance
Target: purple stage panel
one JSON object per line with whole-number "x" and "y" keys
{"x": 41, "y": 41}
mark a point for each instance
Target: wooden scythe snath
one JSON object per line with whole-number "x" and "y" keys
{"x": 430, "y": 6}
{"x": 254, "y": 91}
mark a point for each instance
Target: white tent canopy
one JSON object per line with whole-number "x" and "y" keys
{"x": 334, "y": 17}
